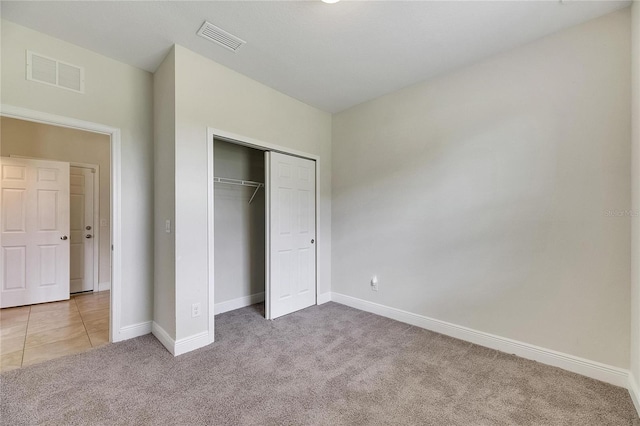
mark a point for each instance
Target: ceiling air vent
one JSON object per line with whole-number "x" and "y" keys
{"x": 54, "y": 73}
{"x": 220, "y": 36}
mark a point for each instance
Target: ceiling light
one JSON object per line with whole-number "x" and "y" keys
{"x": 330, "y": 1}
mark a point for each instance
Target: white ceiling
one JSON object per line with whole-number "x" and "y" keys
{"x": 329, "y": 56}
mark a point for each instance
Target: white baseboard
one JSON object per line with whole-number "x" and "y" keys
{"x": 134, "y": 330}
{"x": 596, "y": 370}
{"x": 104, "y": 286}
{"x": 191, "y": 343}
{"x": 324, "y": 298}
{"x": 163, "y": 337}
{"x": 181, "y": 346}
{"x": 633, "y": 392}
{"x": 240, "y": 302}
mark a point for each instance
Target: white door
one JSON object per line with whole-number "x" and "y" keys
{"x": 291, "y": 208}
{"x": 34, "y": 209}
{"x": 82, "y": 229}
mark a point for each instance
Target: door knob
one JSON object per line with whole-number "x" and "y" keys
{"x": 313, "y": 241}
{"x": 64, "y": 237}
{"x": 88, "y": 236}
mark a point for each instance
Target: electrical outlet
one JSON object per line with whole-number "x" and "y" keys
{"x": 374, "y": 283}
{"x": 195, "y": 310}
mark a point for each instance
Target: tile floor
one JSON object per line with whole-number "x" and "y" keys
{"x": 32, "y": 334}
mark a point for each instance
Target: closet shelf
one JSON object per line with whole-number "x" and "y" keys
{"x": 240, "y": 182}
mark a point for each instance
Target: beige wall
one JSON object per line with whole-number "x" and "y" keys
{"x": 210, "y": 95}
{"x": 635, "y": 164}
{"x": 164, "y": 124}
{"x": 119, "y": 96}
{"x": 29, "y": 139}
{"x": 480, "y": 198}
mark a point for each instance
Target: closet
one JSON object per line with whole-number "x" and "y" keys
{"x": 264, "y": 231}
{"x": 239, "y": 226}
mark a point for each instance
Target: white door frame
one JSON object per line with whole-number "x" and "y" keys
{"x": 11, "y": 111}
{"x": 212, "y": 134}
{"x": 96, "y": 212}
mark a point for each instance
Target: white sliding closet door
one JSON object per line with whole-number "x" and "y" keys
{"x": 34, "y": 265}
{"x": 291, "y": 225}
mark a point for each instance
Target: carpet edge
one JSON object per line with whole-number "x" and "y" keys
{"x": 585, "y": 367}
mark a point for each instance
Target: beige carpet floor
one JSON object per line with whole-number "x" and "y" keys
{"x": 326, "y": 365}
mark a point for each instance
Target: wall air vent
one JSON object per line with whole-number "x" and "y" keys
{"x": 54, "y": 73}
{"x": 219, "y": 36}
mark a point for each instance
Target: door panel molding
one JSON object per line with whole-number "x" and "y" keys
{"x": 83, "y": 255}
{"x": 291, "y": 239}
{"x": 35, "y": 263}
{"x": 96, "y": 217}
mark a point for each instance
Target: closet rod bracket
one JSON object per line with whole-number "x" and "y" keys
{"x": 240, "y": 182}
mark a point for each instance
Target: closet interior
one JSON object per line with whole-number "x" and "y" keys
{"x": 239, "y": 225}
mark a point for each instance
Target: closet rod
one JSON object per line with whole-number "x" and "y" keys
{"x": 240, "y": 182}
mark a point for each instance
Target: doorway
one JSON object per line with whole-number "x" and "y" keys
{"x": 107, "y": 225}
{"x": 270, "y": 252}
{"x": 85, "y": 156}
